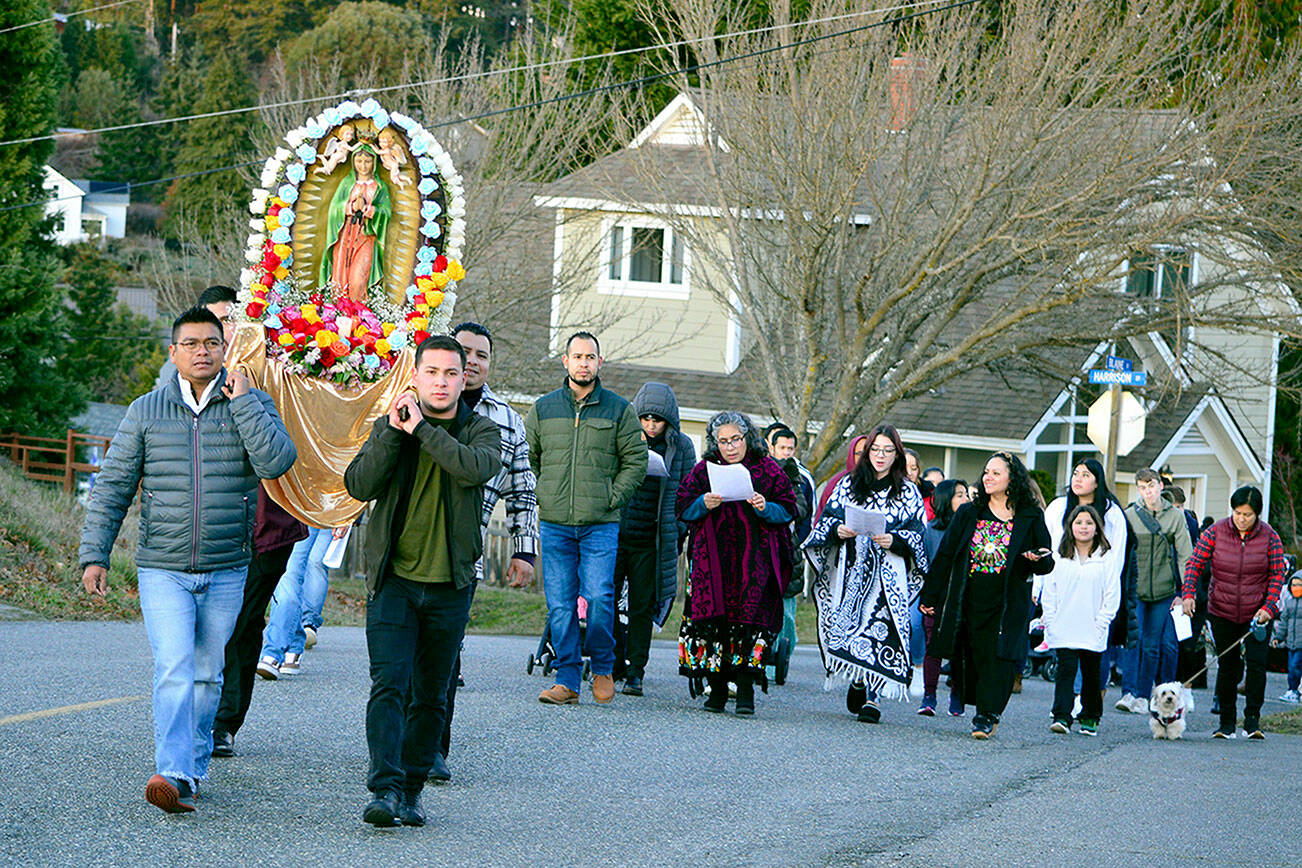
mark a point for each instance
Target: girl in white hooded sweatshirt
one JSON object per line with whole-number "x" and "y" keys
{"x": 1079, "y": 599}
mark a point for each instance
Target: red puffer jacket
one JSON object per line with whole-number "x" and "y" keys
{"x": 1247, "y": 571}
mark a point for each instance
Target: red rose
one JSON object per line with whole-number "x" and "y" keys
{"x": 420, "y": 335}
{"x": 270, "y": 261}
{"x": 267, "y": 279}
{"x": 440, "y": 263}
{"x": 255, "y": 309}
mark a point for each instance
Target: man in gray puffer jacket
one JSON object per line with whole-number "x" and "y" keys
{"x": 196, "y": 448}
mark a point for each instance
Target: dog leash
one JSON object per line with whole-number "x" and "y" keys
{"x": 1228, "y": 649}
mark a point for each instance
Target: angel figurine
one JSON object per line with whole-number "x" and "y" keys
{"x": 338, "y": 149}
{"x": 392, "y": 157}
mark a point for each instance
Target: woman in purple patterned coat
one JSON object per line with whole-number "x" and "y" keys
{"x": 741, "y": 561}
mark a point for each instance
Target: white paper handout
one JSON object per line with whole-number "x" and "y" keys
{"x": 655, "y": 464}
{"x": 865, "y": 522}
{"x": 731, "y": 481}
{"x": 1183, "y": 625}
{"x": 334, "y": 556}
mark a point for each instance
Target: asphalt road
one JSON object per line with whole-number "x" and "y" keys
{"x": 650, "y": 781}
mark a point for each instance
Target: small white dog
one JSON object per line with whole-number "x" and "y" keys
{"x": 1167, "y": 709}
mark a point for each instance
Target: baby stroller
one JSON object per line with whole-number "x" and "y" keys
{"x": 545, "y": 656}
{"x": 1039, "y": 658}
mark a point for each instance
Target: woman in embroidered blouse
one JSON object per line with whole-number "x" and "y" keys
{"x": 979, "y": 587}
{"x": 741, "y": 558}
{"x": 865, "y": 584}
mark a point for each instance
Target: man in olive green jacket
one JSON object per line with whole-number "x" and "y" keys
{"x": 424, "y": 465}
{"x": 586, "y": 448}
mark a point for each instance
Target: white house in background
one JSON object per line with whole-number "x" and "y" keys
{"x": 89, "y": 210}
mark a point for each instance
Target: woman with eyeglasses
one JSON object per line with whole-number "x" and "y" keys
{"x": 866, "y": 583}
{"x": 979, "y": 587}
{"x": 741, "y": 558}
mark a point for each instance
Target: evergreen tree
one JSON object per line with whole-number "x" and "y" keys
{"x": 35, "y": 397}
{"x": 212, "y": 143}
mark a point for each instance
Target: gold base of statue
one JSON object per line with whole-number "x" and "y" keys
{"x": 327, "y": 424}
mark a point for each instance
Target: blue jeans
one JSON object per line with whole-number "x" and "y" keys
{"x": 1159, "y": 652}
{"x": 917, "y": 639}
{"x": 579, "y": 560}
{"x": 302, "y": 586}
{"x": 1294, "y": 668}
{"x": 189, "y": 617}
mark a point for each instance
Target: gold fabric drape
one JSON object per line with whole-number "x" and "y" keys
{"x": 327, "y": 424}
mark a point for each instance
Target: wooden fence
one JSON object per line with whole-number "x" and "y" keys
{"x": 50, "y": 459}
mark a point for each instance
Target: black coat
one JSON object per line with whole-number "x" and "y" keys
{"x": 1125, "y": 624}
{"x": 947, "y": 580}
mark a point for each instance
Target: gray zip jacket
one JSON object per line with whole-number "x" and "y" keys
{"x": 197, "y": 475}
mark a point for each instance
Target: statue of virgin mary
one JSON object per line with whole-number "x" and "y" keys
{"x": 358, "y": 217}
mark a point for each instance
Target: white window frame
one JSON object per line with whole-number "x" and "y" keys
{"x": 606, "y": 285}
{"x": 1162, "y": 249}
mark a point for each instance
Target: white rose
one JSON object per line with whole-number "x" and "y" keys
{"x": 253, "y": 255}
{"x": 256, "y": 239}
{"x": 258, "y": 225}
{"x": 281, "y": 155}
{"x": 296, "y": 137}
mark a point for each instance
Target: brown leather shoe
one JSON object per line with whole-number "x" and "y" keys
{"x": 559, "y": 694}
{"x": 603, "y": 688}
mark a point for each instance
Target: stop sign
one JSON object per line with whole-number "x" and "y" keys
{"x": 1131, "y": 431}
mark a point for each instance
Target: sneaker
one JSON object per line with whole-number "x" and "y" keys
{"x": 1089, "y": 727}
{"x": 603, "y": 688}
{"x": 1222, "y": 732}
{"x": 1291, "y": 696}
{"x": 632, "y": 686}
{"x": 1252, "y": 728}
{"x": 982, "y": 728}
{"x": 170, "y": 794}
{"x": 310, "y": 633}
{"x": 558, "y": 694}
{"x": 269, "y": 668}
{"x": 870, "y": 713}
{"x": 928, "y": 706}
{"x": 1060, "y": 726}
{"x": 956, "y": 708}
{"x": 1123, "y": 704}
{"x": 1138, "y": 705}
{"x": 292, "y": 665}
{"x": 223, "y": 744}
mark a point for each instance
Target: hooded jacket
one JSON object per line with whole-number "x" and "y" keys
{"x": 650, "y": 511}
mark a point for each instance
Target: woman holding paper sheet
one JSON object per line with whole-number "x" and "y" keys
{"x": 741, "y": 562}
{"x": 868, "y": 550}
{"x": 979, "y": 587}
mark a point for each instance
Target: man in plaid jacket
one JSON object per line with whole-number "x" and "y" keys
{"x": 514, "y": 483}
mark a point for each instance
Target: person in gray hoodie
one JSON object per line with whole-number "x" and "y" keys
{"x": 195, "y": 448}
{"x": 650, "y": 535}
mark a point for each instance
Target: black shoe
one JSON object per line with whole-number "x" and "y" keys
{"x": 632, "y": 686}
{"x": 718, "y": 698}
{"x": 855, "y": 697}
{"x": 871, "y": 712}
{"x": 1223, "y": 732}
{"x": 745, "y": 698}
{"x": 982, "y": 727}
{"x": 223, "y": 743}
{"x": 409, "y": 812}
{"x": 383, "y": 810}
{"x": 439, "y": 773}
{"x": 1252, "y": 727}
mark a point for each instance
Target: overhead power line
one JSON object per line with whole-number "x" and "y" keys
{"x": 649, "y": 79}
{"x": 55, "y": 18}
{"x": 532, "y": 67}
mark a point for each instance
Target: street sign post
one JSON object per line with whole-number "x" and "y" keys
{"x": 1100, "y": 377}
{"x": 1116, "y": 363}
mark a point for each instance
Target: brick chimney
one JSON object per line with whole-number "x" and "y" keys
{"x": 906, "y": 71}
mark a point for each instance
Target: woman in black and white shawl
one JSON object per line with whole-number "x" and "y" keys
{"x": 866, "y": 583}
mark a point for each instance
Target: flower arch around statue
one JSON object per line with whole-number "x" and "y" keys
{"x": 357, "y": 228}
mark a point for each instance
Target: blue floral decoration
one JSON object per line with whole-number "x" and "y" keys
{"x": 426, "y": 254}
{"x": 349, "y": 109}
{"x": 306, "y": 152}
{"x": 296, "y": 172}
{"x": 280, "y": 236}
{"x": 411, "y": 293}
{"x": 314, "y": 129}
{"x": 430, "y": 209}
{"x": 423, "y": 268}
{"x": 369, "y": 107}
{"x": 397, "y": 340}
{"x": 286, "y": 217}
{"x": 272, "y": 322}
{"x": 372, "y": 361}
{"x": 428, "y": 166}
{"x": 427, "y": 186}
{"x": 420, "y": 144}
{"x": 281, "y": 286}
{"x": 380, "y": 119}
{"x": 332, "y": 116}
{"x": 288, "y": 192}
{"x": 431, "y": 229}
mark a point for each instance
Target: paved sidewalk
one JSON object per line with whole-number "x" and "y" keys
{"x": 650, "y": 781}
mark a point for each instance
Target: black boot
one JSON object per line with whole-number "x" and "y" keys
{"x": 718, "y": 698}
{"x": 745, "y": 695}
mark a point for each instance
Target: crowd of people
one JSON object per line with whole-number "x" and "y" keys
{"x": 914, "y": 576}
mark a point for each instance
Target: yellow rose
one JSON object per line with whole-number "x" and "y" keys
{"x": 325, "y": 338}
{"x": 286, "y": 340}
{"x": 273, "y": 222}
{"x": 439, "y": 279}
{"x": 281, "y": 272}
{"x": 435, "y": 298}
{"x": 418, "y": 323}
{"x": 282, "y": 250}
{"x": 388, "y": 328}
{"x": 455, "y": 271}
{"x": 423, "y": 308}
{"x": 382, "y": 346}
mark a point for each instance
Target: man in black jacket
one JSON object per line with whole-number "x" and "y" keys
{"x": 424, "y": 465}
{"x": 649, "y": 531}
